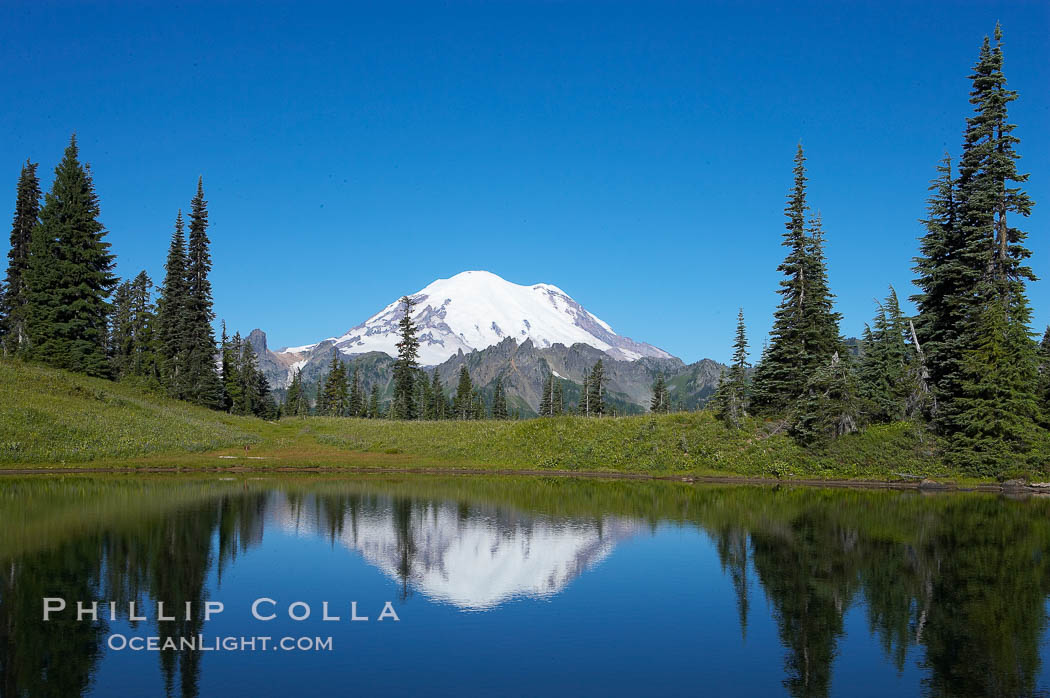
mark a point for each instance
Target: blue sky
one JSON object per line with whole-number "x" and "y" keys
{"x": 635, "y": 154}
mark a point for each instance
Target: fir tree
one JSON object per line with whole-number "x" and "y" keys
{"x": 439, "y": 403}
{"x": 558, "y": 401}
{"x": 993, "y": 422}
{"x": 477, "y": 405}
{"x": 69, "y": 276}
{"x": 463, "y": 404}
{"x": 373, "y": 403}
{"x": 295, "y": 403}
{"x": 202, "y": 385}
{"x": 659, "y": 403}
{"x": 945, "y": 282}
{"x": 596, "y": 390}
{"x": 173, "y": 316}
{"x": 233, "y": 385}
{"x": 829, "y": 407}
{"x": 357, "y": 396}
{"x": 404, "y": 405}
{"x": 547, "y": 396}
{"x": 335, "y": 396}
{"x": 733, "y": 399}
{"x": 886, "y": 364}
{"x": 13, "y": 337}
{"x": 130, "y": 329}
{"x": 805, "y": 328}
{"x": 584, "y": 406}
{"x": 499, "y": 400}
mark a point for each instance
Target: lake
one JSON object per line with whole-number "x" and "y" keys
{"x": 418, "y": 585}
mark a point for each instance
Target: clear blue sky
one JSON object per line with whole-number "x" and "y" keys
{"x": 635, "y": 154}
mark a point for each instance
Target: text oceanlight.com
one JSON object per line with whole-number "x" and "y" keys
{"x": 201, "y": 643}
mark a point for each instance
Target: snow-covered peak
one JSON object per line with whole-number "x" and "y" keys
{"x": 478, "y": 309}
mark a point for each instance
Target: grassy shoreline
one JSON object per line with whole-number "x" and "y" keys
{"x": 52, "y": 419}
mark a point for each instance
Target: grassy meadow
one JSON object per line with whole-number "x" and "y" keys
{"x": 51, "y": 418}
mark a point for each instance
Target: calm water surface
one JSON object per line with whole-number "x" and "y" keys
{"x": 522, "y": 586}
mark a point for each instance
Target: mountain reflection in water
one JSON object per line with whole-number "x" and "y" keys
{"x": 951, "y": 590}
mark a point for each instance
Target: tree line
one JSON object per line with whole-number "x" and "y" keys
{"x": 62, "y": 305}
{"x": 966, "y": 365}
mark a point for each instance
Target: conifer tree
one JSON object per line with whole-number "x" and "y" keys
{"x": 130, "y": 332}
{"x": 69, "y": 276}
{"x": 373, "y": 403}
{"x": 499, "y": 400}
{"x": 584, "y": 406}
{"x": 201, "y": 383}
{"x": 829, "y": 407}
{"x": 596, "y": 390}
{"x": 558, "y": 402}
{"x": 439, "y": 403}
{"x": 477, "y": 405}
{"x": 225, "y": 368}
{"x": 464, "y": 407}
{"x": 547, "y": 396}
{"x": 233, "y": 385}
{"x": 805, "y": 328}
{"x": 1043, "y": 390}
{"x": 404, "y": 405}
{"x": 295, "y": 400}
{"x": 13, "y": 296}
{"x": 886, "y": 364}
{"x": 734, "y": 391}
{"x": 173, "y": 316}
{"x": 659, "y": 404}
{"x": 993, "y": 414}
{"x": 945, "y": 282}
{"x": 357, "y": 396}
{"x": 335, "y": 396}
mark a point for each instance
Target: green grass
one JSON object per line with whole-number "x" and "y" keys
{"x": 48, "y": 416}
{"x": 51, "y": 418}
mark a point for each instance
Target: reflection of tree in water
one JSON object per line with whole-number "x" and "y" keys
{"x": 56, "y": 658}
{"x": 809, "y": 574}
{"x": 732, "y": 544}
{"x": 968, "y": 586}
{"x": 165, "y": 558}
{"x": 962, "y": 579}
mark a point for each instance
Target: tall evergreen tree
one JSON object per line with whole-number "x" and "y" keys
{"x": 584, "y": 406}
{"x": 945, "y": 283}
{"x": 69, "y": 276}
{"x": 659, "y": 402}
{"x": 993, "y": 414}
{"x": 558, "y": 401}
{"x": 463, "y": 404}
{"x": 295, "y": 401}
{"x": 374, "y": 410}
{"x": 335, "y": 396}
{"x": 13, "y": 296}
{"x": 130, "y": 329}
{"x": 805, "y": 328}
{"x": 499, "y": 401}
{"x": 357, "y": 396}
{"x": 830, "y": 405}
{"x": 404, "y": 405}
{"x": 439, "y": 403}
{"x": 886, "y": 365}
{"x": 596, "y": 390}
{"x": 547, "y": 396}
{"x": 173, "y": 315}
{"x": 734, "y": 392}
{"x": 202, "y": 383}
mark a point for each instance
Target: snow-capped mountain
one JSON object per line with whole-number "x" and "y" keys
{"x": 478, "y": 309}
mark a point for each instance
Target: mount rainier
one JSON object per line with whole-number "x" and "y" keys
{"x": 478, "y": 309}
{"x": 498, "y": 329}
